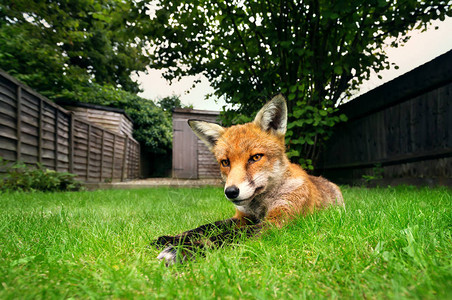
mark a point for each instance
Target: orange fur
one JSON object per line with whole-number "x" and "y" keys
{"x": 240, "y": 142}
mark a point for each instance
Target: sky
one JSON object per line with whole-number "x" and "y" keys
{"x": 421, "y": 48}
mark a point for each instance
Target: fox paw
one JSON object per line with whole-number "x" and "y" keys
{"x": 169, "y": 254}
{"x": 163, "y": 240}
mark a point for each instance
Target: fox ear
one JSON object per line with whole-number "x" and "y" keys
{"x": 208, "y": 132}
{"x": 273, "y": 116}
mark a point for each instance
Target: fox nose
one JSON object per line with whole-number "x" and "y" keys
{"x": 232, "y": 192}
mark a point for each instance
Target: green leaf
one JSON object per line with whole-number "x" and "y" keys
{"x": 290, "y": 125}
{"x": 338, "y": 70}
{"x": 293, "y": 153}
{"x": 343, "y": 118}
{"x": 309, "y": 141}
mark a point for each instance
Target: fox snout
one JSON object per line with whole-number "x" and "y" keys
{"x": 238, "y": 193}
{"x": 232, "y": 192}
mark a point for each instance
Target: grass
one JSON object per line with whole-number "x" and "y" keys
{"x": 389, "y": 243}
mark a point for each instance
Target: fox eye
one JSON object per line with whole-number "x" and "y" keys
{"x": 255, "y": 158}
{"x": 225, "y": 162}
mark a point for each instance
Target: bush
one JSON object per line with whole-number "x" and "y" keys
{"x": 20, "y": 177}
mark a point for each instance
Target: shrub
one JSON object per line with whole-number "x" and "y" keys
{"x": 20, "y": 177}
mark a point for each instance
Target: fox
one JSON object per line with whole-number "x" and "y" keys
{"x": 264, "y": 186}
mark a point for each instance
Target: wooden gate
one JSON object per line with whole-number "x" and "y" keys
{"x": 191, "y": 158}
{"x": 184, "y": 150}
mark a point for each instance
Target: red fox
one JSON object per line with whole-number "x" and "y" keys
{"x": 259, "y": 180}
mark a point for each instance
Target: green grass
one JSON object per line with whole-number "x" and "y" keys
{"x": 389, "y": 243}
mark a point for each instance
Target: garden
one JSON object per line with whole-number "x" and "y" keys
{"x": 393, "y": 242}
{"x": 58, "y": 240}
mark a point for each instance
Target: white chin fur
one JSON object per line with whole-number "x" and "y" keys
{"x": 242, "y": 209}
{"x": 247, "y": 190}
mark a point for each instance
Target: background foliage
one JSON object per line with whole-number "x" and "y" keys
{"x": 56, "y": 45}
{"x": 84, "y": 51}
{"x": 20, "y": 177}
{"x": 313, "y": 51}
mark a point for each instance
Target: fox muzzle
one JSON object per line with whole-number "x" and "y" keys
{"x": 232, "y": 192}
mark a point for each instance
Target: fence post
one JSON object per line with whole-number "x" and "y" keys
{"x": 41, "y": 104}
{"x": 88, "y": 145}
{"x": 113, "y": 158}
{"x": 19, "y": 122}
{"x": 102, "y": 155}
{"x": 139, "y": 161}
{"x": 71, "y": 142}
{"x": 124, "y": 158}
{"x": 56, "y": 139}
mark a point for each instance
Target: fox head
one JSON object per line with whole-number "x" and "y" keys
{"x": 251, "y": 156}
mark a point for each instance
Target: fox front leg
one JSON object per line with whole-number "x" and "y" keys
{"x": 195, "y": 234}
{"x": 178, "y": 254}
{"x": 188, "y": 241}
{"x": 169, "y": 254}
{"x": 179, "y": 248}
{"x": 163, "y": 240}
{"x": 174, "y": 255}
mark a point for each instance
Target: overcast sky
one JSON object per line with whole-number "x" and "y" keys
{"x": 422, "y": 47}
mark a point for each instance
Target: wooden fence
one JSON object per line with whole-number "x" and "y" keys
{"x": 35, "y": 130}
{"x": 401, "y": 130}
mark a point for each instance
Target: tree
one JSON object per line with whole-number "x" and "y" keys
{"x": 313, "y": 51}
{"x": 171, "y": 102}
{"x": 56, "y": 45}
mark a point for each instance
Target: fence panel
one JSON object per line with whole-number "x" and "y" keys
{"x": 403, "y": 127}
{"x": 8, "y": 119}
{"x": 35, "y": 130}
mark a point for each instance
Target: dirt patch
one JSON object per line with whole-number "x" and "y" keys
{"x": 155, "y": 182}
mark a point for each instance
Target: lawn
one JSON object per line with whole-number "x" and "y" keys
{"x": 388, "y": 243}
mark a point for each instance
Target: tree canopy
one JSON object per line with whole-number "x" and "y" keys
{"x": 171, "y": 102}
{"x": 54, "y": 46}
{"x": 313, "y": 51}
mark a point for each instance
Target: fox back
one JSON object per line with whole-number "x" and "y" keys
{"x": 259, "y": 178}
